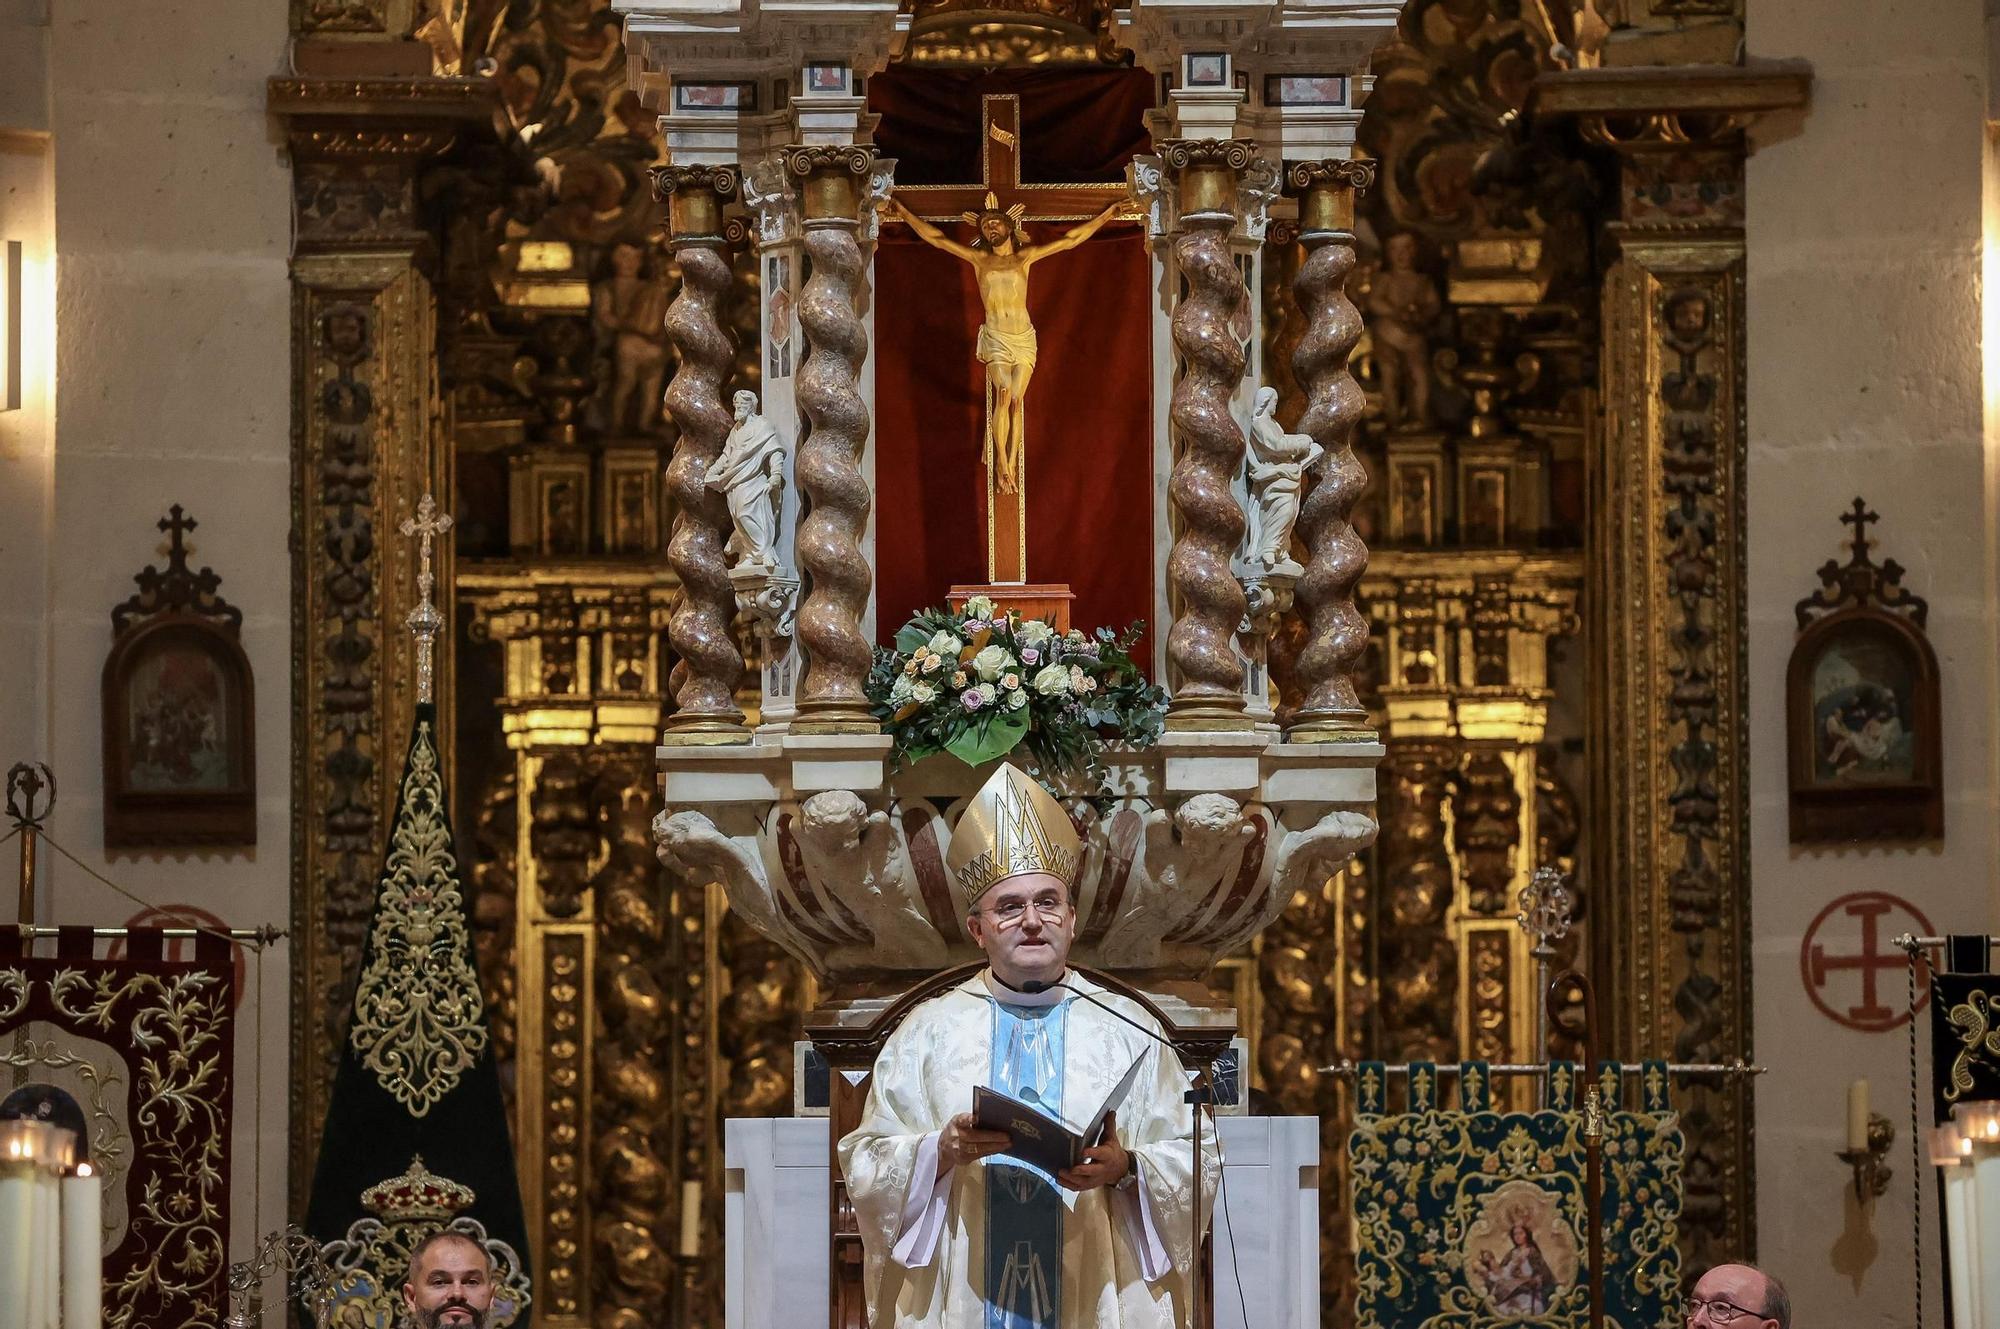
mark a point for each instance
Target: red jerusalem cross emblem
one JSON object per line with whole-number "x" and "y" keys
{"x": 1850, "y": 968}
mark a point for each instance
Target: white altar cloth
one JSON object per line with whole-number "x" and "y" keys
{"x": 775, "y": 1244}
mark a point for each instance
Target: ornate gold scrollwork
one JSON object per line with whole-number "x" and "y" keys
{"x": 417, "y": 1004}
{"x": 1979, "y": 1039}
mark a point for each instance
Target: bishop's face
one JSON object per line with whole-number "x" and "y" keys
{"x": 1025, "y": 925}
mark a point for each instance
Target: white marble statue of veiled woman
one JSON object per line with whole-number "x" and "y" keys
{"x": 1275, "y": 463}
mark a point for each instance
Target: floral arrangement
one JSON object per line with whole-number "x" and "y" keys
{"x": 980, "y": 682}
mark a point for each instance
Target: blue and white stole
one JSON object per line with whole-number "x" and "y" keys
{"x": 1024, "y": 1209}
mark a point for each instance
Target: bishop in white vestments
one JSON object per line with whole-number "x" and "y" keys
{"x": 958, "y": 1233}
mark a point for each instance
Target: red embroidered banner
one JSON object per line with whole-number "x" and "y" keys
{"x": 146, "y": 1045}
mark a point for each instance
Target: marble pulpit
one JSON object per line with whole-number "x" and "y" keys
{"x": 776, "y": 1248}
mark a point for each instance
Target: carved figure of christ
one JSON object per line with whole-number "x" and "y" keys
{"x": 1007, "y": 343}
{"x": 995, "y": 209}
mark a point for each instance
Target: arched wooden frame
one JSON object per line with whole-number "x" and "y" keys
{"x": 1826, "y": 811}
{"x": 137, "y": 818}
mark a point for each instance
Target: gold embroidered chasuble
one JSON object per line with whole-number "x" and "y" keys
{"x": 1126, "y": 1252}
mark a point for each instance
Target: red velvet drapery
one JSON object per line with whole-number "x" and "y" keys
{"x": 1089, "y": 415}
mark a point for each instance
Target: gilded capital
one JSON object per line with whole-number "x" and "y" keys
{"x": 1206, "y": 173}
{"x": 1326, "y": 191}
{"x": 834, "y": 177}
{"x": 695, "y": 197}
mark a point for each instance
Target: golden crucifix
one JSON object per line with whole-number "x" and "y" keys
{"x": 1000, "y": 257}
{"x": 996, "y": 209}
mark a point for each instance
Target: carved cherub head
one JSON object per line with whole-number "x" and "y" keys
{"x": 835, "y": 818}
{"x": 1209, "y": 824}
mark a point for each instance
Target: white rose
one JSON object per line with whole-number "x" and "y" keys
{"x": 1052, "y": 680}
{"x": 900, "y": 690}
{"x": 991, "y": 662}
{"x": 1035, "y": 633}
{"x": 923, "y": 693}
{"x": 1077, "y": 679}
{"x": 979, "y": 606}
{"x": 1016, "y": 700}
{"x": 947, "y": 645}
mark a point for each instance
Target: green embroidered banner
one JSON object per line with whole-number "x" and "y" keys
{"x": 1466, "y": 1217}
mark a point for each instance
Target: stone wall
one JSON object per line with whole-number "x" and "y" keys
{"x": 171, "y": 226}
{"x": 1865, "y": 378}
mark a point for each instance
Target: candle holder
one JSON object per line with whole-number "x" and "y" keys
{"x": 1871, "y": 1165}
{"x": 298, "y": 1258}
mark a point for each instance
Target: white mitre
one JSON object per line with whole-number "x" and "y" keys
{"x": 1010, "y": 828}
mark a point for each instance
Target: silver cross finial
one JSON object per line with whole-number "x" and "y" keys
{"x": 1547, "y": 907}
{"x": 425, "y": 621}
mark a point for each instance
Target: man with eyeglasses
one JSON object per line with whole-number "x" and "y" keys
{"x": 956, "y": 1231}
{"x": 1740, "y": 1296}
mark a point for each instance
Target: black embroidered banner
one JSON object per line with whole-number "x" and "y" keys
{"x": 1965, "y": 1039}
{"x": 416, "y": 1131}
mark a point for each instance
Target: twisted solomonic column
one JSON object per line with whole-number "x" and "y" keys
{"x": 1209, "y": 327}
{"x": 704, "y": 682}
{"x": 1336, "y": 632}
{"x": 832, "y": 691}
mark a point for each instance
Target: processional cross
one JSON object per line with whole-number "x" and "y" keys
{"x": 425, "y": 620}
{"x": 995, "y": 207}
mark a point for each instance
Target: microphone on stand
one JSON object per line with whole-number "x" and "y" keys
{"x": 1201, "y": 1093}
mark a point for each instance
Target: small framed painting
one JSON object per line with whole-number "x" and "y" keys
{"x": 178, "y": 710}
{"x": 1305, "y": 90}
{"x": 1863, "y": 732}
{"x": 1209, "y": 70}
{"x": 826, "y": 79}
{"x": 737, "y": 96}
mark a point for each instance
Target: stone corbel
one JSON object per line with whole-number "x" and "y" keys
{"x": 863, "y": 856}
{"x": 1270, "y": 596}
{"x": 1147, "y": 177}
{"x": 768, "y": 193}
{"x": 770, "y": 599}
{"x": 1261, "y": 184}
{"x": 881, "y": 180}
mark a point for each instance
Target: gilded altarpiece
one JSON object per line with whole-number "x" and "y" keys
{"x": 480, "y": 314}
{"x": 365, "y": 412}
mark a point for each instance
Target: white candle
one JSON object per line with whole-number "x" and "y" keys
{"x": 45, "y": 1280}
{"x": 1961, "y": 1231}
{"x": 83, "y": 1249}
{"x": 1986, "y": 1200}
{"x": 17, "y": 1235}
{"x": 1857, "y": 1115}
{"x": 690, "y": 1245}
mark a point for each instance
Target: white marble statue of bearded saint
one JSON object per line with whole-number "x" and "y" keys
{"x": 750, "y": 472}
{"x": 961, "y": 1234}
